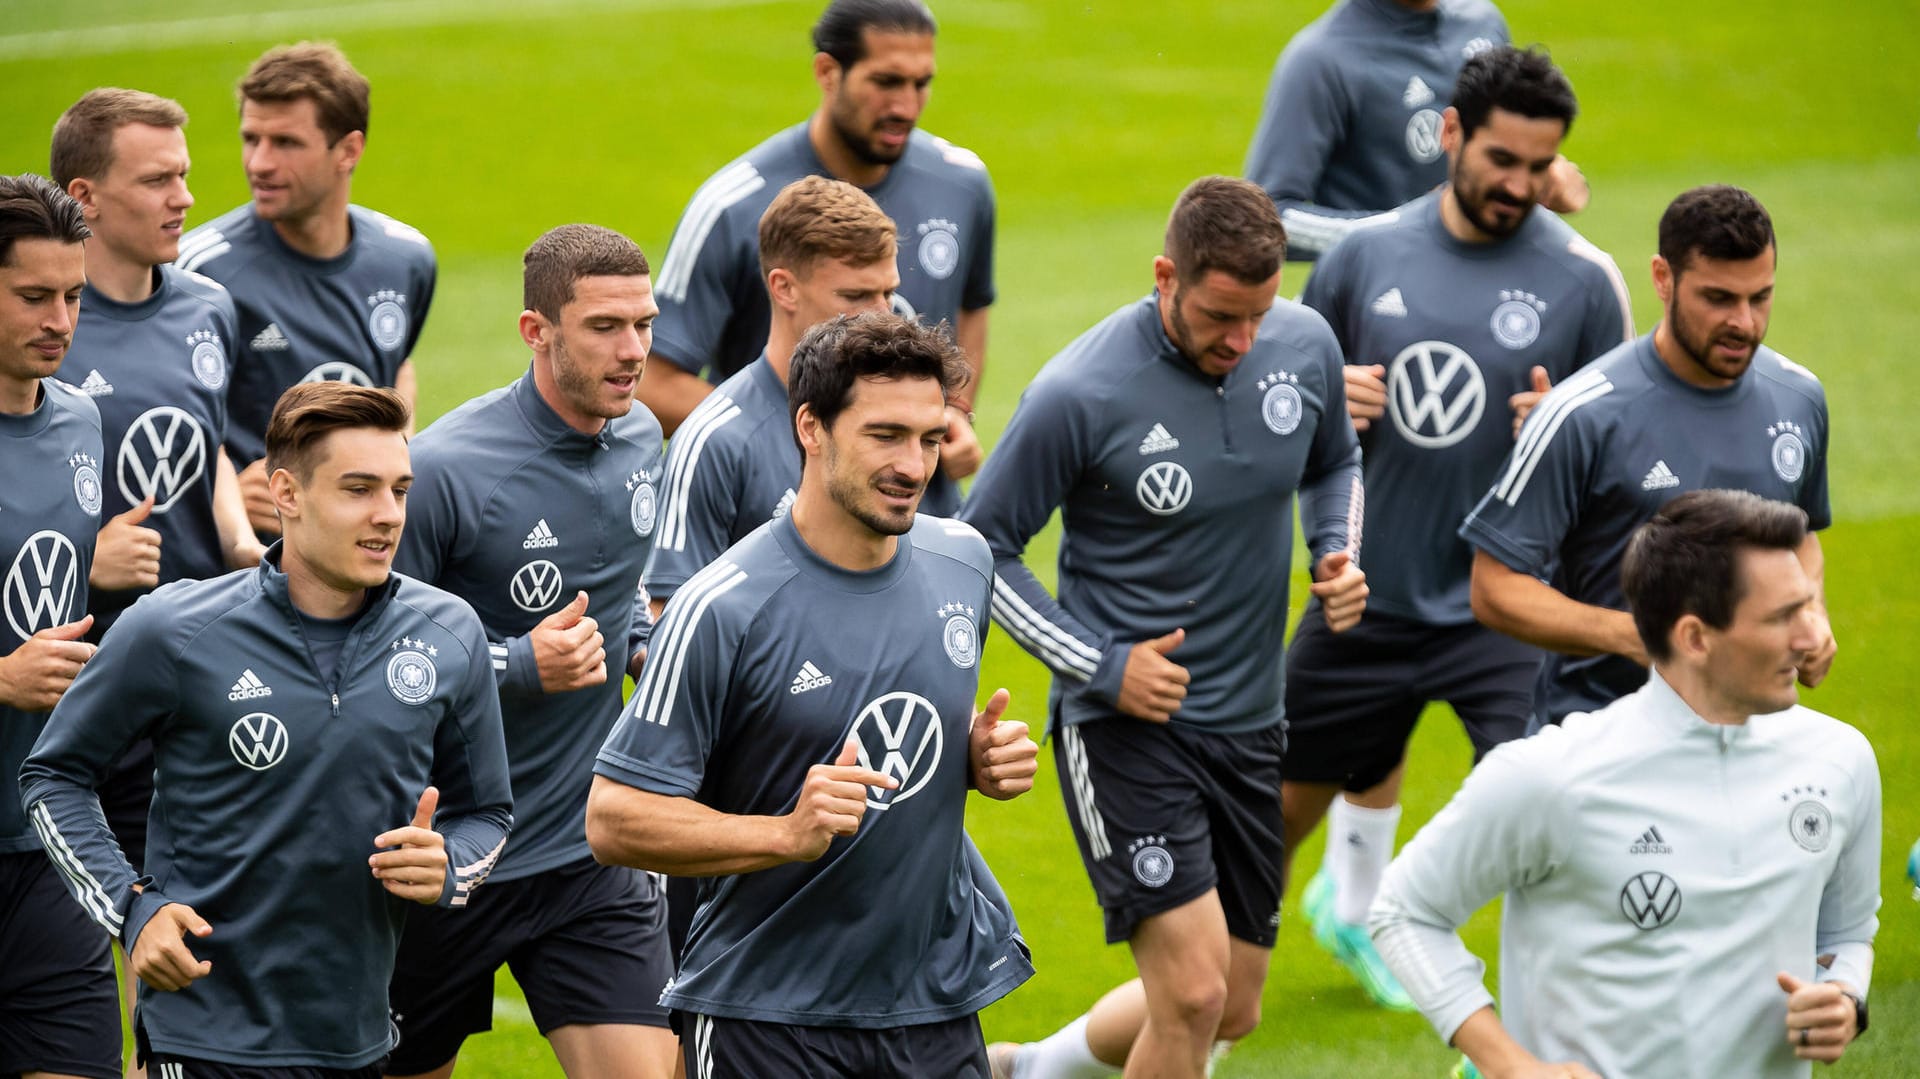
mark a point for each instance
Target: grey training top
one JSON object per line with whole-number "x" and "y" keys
{"x": 351, "y": 318}
{"x": 1351, "y": 125}
{"x": 1459, "y": 327}
{"x": 1611, "y": 445}
{"x": 515, "y": 512}
{"x": 1176, "y": 496}
{"x": 49, "y": 514}
{"x": 764, "y": 665}
{"x": 271, "y": 784}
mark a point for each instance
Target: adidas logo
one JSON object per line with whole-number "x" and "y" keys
{"x": 249, "y": 687}
{"x": 271, "y": 339}
{"x": 96, "y": 385}
{"x": 809, "y": 677}
{"x": 1650, "y": 842}
{"x": 780, "y": 508}
{"x": 1158, "y": 440}
{"x": 1418, "y": 93}
{"x": 541, "y": 536}
{"x": 1659, "y": 478}
{"x": 1390, "y": 304}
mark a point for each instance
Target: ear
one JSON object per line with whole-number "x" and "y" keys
{"x": 350, "y": 147}
{"x": 1662, "y": 280}
{"x": 1691, "y": 638}
{"x": 285, "y": 491}
{"x": 1452, "y": 135}
{"x": 826, "y": 73}
{"x": 535, "y": 330}
{"x": 81, "y": 189}
{"x": 1165, "y": 275}
{"x": 783, "y": 289}
{"x": 813, "y": 434}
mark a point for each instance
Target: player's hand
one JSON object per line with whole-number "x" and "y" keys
{"x": 161, "y": 957}
{"x": 1342, "y": 589}
{"x": 1814, "y": 668}
{"x": 1522, "y": 403}
{"x": 34, "y": 676}
{"x": 416, "y": 868}
{"x": 831, "y": 803}
{"x": 568, "y": 650}
{"x": 1004, "y": 757}
{"x": 1152, "y": 686}
{"x": 637, "y": 664}
{"x": 126, "y": 553}
{"x": 960, "y": 452}
{"x": 1366, "y": 393}
{"x": 253, "y": 488}
{"x": 1820, "y": 1018}
{"x": 1566, "y": 191}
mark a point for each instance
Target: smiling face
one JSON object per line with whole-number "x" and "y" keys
{"x": 881, "y": 450}
{"x": 342, "y": 523}
{"x": 1497, "y": 175}
{"x": 40, "y": 284}
{"x": 139, "y": 207}
{"x": 874, "y": 104}
{"x": 292, "y": 171}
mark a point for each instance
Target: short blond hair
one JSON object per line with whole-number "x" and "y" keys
{"x": 816, "y": 218}
{"x": 315, "y": 71}
{"x": 83, "y": 136}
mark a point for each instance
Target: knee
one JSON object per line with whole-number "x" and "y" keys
{"x": 1197, "y": 1003}
{"x": 1238, "y": 1019}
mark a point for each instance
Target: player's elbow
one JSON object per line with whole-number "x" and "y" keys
{"x": 605, "y": 812}
{"x": 1491, "y": 594}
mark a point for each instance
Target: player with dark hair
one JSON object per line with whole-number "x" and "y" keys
{"x": 538, "y": 504}
{"x": 326, "y": 290}
{"x": 59, "y": 1014}
{"x": 1698, "y": 402}
{"x": 1691, "y": 873}
{"x": 308, "y": 720}
{"x": 1460, "y": 302}
{"x": 804, "y": 737}
{"x": 1173, "y": 437}
{"x": 874, "y": 64}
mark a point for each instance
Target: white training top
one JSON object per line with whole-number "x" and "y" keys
{"x": 1659, "y": 870}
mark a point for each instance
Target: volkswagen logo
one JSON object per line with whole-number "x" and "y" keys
{"x": 1650, "y": 900}
{"x": 41, "y": 584}
{"x": 1435, "y": 394}
{"x": 905, "y": 729}
{"x": 162, "y": 454}
{"x": 339, "y": 371}
{"x": 1164, "y": 488}
{"x": 535, "y": 586}
{"x": 258, "y": 741}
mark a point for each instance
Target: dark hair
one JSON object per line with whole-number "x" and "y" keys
{"x": 841, "y": 31}
{"x": 316, "y": 71}
{"x": 566, "y": 254}
{"x": 83, "y": 136}
{"x": 1718, "y": 221}
{"x": 816, "y": 218}
{"x": 32, "y": 208}
{"x": 1686, "y": 560}
{"x": 876, "y": 345}
{"x": 309, "y": 411}
{"x": 1521, "y": 81}
{"x": 1220, "y": 223}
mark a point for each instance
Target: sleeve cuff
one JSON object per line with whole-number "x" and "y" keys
{"x": 522, "y": 674}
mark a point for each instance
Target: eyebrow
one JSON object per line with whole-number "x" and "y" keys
{"x": 345, "y": 476}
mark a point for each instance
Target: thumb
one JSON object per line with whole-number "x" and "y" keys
{"x": 139, "y": 512}
{"x": 1166, "y": 644}
{"x": 571, "y": 614}
{"x": 1379, "y": 369}
{"x": 189, "y": 919}
{"x": 1789, "y": 984}
{"x": 1332, "y": 564}
{"x": 429, "y": 801}
{"x": 996, "y": 707}
{"x": 72, "y": 631}
{"x": 1541, "y": 383}
{"x": 849, "y": 753}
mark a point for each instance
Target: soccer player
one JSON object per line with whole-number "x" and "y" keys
{"x": 1457, "y": 303}
{"x": 804, "y": 736}
{"x": 308, "y": 718}
{"x": 1698, "y": 402}
{"x": 873, "y": 62}
{"x": 59, "y": 1014}
{"x": 537, "y": 503}
{"x": 1691, "y": 872}
{"x": 1174, "y": 436}
{"x": 1352, "y": 120}
{"x": 326, "y": 290}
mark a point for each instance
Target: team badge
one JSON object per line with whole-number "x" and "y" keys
{"x": 162, "y": 455}
{"x": 1789, "y": 452}
{"x": 961, "y": 638}
{"x": 899, "y": 735}
{"x": 1435, "y": 394}
{"x": 1152, "y": 863}
{"x": 642, "y": 507}
{"x": 1809, "y": 822}
{"x": 258, "y": 741}
{"x": 86, "y": 483}
{"x": 1164, "y": 489}
{"x": 410, "y": 673}
{"x": 42, "y": 584}
{"x": 1423, "y": 136}
{"x": 339, "y": 371}
{"x": 939, "y": 248}
{"x": 535, "y": 586}
{"x": 388, "y": 322}
{"x": 1516, "y": 322}
{"x": 209, "y": 362}
{"x": 1650, "y": 900}
{"x": 1281, "y": 407}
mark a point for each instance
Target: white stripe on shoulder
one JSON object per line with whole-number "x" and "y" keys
{"x": 728, "y": 186}
{"x": 666, "y": 662}
{"x": 683, "y": 458}
{"x": 1545, "y": 424}
{"x": 1580, "y": 247}
{"x": 1789, "y": 365}
{"x": 92, "y": 896}
{"x": 203, "y": 256}
{"x": 199, "y": 240}
{"x": 1056, "y": 647}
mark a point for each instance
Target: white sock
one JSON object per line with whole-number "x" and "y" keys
{"x": 1220, "y": 1050}
{"x": 1359, "y": 846}
{"x": 1061, "y": 1055}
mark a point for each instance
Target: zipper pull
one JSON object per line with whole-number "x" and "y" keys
{"x": 336, "y": 704}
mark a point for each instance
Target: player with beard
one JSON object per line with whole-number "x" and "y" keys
{"x": 1697, "y": 403}
{"x": 874, "y": 64}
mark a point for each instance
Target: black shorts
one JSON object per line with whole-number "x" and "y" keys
{"x": 744, "y": 1049}
{"x": 1165, "y": 814}
{"x": 169, "y": 1066}
{"x": 126, "y": 797}
{"x": 1353, "y": 698}
{"x": 683, "y": 896}
{"x": 587, "y": 943}
{"x": 59, "y": 1006}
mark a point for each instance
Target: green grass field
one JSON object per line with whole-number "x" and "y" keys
{"x": 496, "y": 119}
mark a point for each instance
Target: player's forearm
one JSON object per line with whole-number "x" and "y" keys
{"x": 1490, "y": 1047}
{"x": 970, "y": 333}
{"x": 671, "y": 392}
{"x": 679, "y": 836}
{"x": 66, "y": 816}
{"x": 1528, "y": 609}
{"x": 1813, "y": 560}
{"x": 239, "y": 546}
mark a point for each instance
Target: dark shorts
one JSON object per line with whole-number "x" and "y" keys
{"x": 59, "y": 1006}
{"x": 743, "y": 1049}
{"x": 1353, "y": 698}
{"x": 163, "y": 1066}
{"x": 683, "y": 895}
{"x": 587, "y": 944}
{"x": 1165, "y": 814}
{"x": 126, "y": 796}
